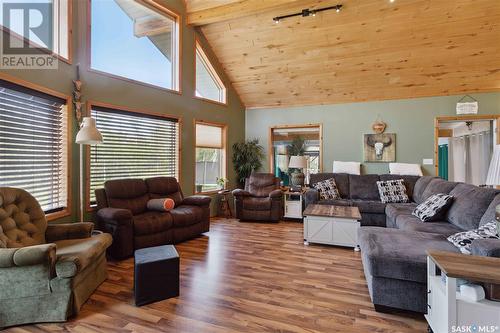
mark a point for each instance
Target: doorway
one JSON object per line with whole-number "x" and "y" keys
{"x": 464, "y": 146}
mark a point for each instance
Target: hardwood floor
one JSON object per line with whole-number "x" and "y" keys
{"x": 245, "y": 277}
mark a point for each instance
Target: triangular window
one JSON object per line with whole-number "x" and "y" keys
{"x": 208, "y": 83}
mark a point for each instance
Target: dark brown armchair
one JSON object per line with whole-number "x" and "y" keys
{"x": 261, "y": 200}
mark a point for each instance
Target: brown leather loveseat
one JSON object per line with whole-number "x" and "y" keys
{"x": 261, "y": 200}
{"x": 123, "y": 212}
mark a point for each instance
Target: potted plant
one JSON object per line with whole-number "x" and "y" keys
{"x": 247, "y": 157}
{"x": 297, "y": 147}
{"x": 221, "y": 183}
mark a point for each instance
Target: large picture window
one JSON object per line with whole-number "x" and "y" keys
{"x": 135, "y": 145}
{"x": 208, "y": 83}
{"x": 61, "y": 21}
{"x": 135, "y": 41}
{"x": 34, "y": 144}
{"x": 210, "y": 156}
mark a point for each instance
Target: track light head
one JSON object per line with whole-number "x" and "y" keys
{"x": 308, "y": 12}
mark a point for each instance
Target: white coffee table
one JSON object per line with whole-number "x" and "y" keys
{"x": 332, "y": 225}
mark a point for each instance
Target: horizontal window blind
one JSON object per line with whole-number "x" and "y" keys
{"x": 208, "y": 136}
{"x": 135, "y": 146}
{"x": 33, "y": 144}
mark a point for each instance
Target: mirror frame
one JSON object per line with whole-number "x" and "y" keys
{"x": 270, "y": 142}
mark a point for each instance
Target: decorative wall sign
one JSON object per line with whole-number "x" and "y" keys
{"x": 467, "y": 107}
{"x": 380, "y": 147}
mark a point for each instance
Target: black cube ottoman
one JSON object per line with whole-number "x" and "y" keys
{"x": 156, "y": 274}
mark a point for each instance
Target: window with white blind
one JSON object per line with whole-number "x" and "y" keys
{"x": 208, "y": 83}
{"x": 34, "y": 144}
{"x": 210, "y": 156}
{"x": 135, "y": 145}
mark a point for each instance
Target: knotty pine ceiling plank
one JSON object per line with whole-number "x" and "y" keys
{"x": 371, "y": 50}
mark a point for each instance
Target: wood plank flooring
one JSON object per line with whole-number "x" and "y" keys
{"x": 245, "y": 277}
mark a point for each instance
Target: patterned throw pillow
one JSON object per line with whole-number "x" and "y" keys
{"x": 433, "y": 208}
{"x": 392, "y": 191}
{"x": 463, "y": 240}
{"x": 327, "y": 189}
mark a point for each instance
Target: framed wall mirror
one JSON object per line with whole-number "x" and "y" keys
{"x": 464, "y": 147}
{"x": 295, "y": 140}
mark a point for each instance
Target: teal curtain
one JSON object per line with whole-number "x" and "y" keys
{"x": 277, "y": 170}
{"x": 443, "y": 161}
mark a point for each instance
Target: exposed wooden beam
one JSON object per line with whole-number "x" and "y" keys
{"x": 236, "y": 10}
{"x": 151, "y": 25}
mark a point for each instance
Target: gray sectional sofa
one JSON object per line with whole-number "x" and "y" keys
{"x": 360, "y": 191}
{"x": 394, "y": 257}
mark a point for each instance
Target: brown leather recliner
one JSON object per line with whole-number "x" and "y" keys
{"x": 261, "y": 200}
{"x": 122, "y": 211}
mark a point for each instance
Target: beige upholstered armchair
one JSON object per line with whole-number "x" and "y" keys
{"x": 47, "y": 271}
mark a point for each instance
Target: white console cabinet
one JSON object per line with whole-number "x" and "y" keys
{"x": 448, "y": 311}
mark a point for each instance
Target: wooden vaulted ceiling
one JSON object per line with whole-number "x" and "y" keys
{"x": 371, "y": 50}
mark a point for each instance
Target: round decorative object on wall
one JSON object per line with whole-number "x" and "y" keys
{"x": 378, "y": 126}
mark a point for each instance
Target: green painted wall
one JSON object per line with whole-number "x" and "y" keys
{"x": 344, "y": 124}
{"x": 101, "y": 88}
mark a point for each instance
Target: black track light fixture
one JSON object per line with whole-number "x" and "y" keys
{"x": 308, "y": 12}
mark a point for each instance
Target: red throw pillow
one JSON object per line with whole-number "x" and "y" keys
{"x": 168, "y": 204}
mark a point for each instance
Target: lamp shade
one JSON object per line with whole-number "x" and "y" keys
{"x": 88, "y": 134}
{"x": 493, "y": 177}
{"x": 298, "y": 162}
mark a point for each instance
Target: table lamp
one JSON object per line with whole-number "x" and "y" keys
{"x": 493, "y": 179}
{"x": 298, "y": 163}
{"x": 88, "y": 135}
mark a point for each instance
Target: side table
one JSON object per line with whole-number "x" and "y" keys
{"x": 294, "y": 203}
{"x": 224, "y": 203}
{"x": 448, "y": 310}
